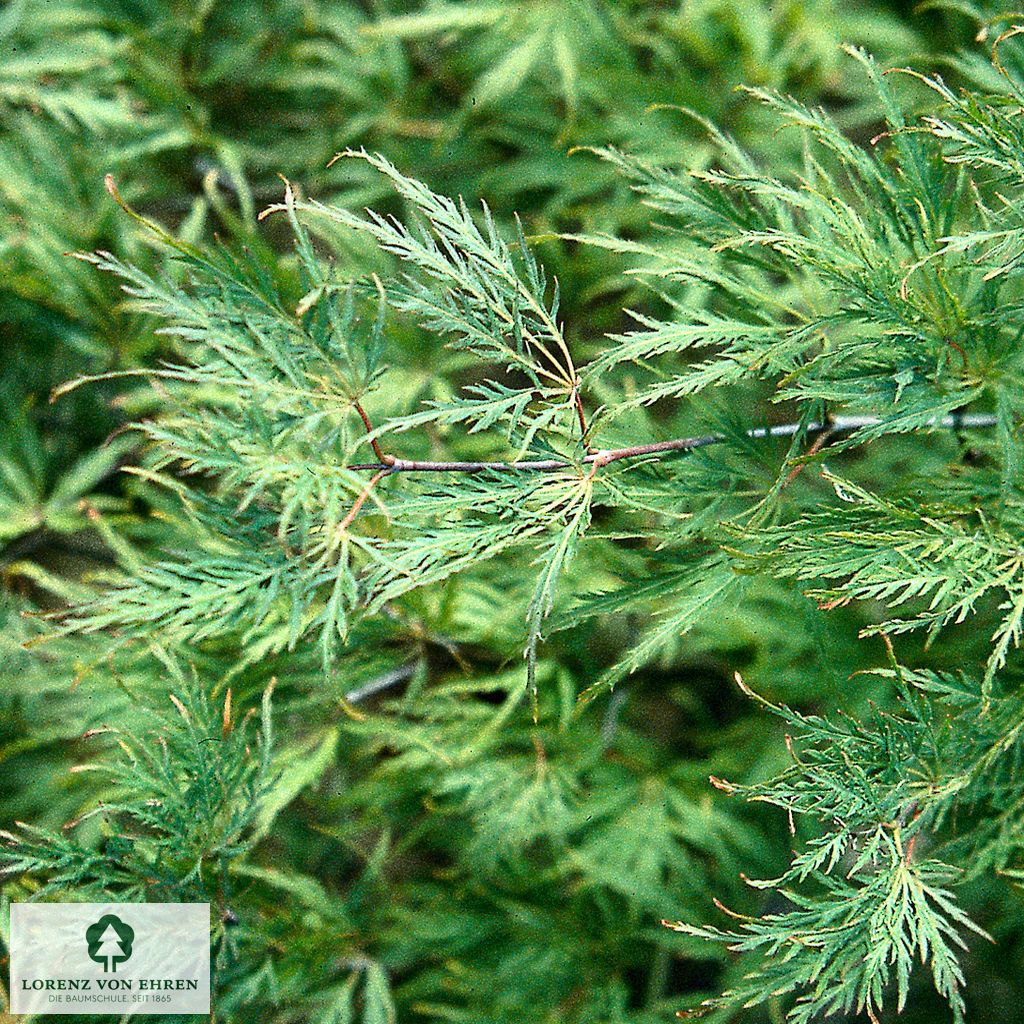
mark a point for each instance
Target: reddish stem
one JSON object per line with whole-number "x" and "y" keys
{"x": 361, "y": 500}
{"x": 377, "y": 450}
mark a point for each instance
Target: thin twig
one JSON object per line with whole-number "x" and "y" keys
{"x": 836, "y": 425}
{"x": 382, "y": 682}
{"x": 580, "y": 415}
{"x": 813, "y": 450}
{"x": 364, "y": 494}
{"x": 610, "y": 723}
{"x": 377, "y": 450}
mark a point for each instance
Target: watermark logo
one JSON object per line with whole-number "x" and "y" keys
{"x": 121, "y": 958}
{"x": 110, "y": 941}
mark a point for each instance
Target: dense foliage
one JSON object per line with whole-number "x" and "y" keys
{"x": 392, "y": 555}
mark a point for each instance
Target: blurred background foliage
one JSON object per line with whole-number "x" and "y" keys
{"x": 416, "y": 848}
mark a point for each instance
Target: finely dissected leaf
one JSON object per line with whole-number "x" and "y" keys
{"x": 757, "y": 346}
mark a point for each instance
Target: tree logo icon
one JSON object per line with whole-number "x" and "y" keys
{"x": 109, "y": 941}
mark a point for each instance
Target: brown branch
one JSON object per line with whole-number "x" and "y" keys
{"x": 602, "y": 457}
{"x": 361, "y": 500}
{"x": 377, "y": 450}
{"x": 813, "y": 450}
{"x": 579, "y": 413}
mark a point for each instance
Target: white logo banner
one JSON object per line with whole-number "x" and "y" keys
{"x": 110, "y": 958}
